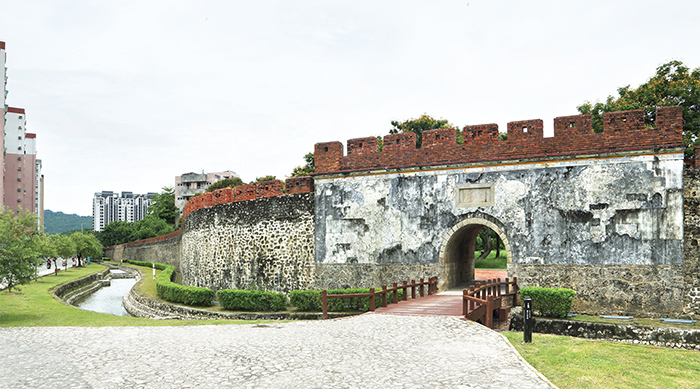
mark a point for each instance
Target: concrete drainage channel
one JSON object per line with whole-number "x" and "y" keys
{"x": 111, "y": 291}
{"x": 101, "y": 292}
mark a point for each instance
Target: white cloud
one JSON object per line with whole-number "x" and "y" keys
{"x": 126, "y": 95}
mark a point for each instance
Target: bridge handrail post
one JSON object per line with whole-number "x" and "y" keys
{"x": 384, "y": 295}
{"x": 413, "y": 289}
{"x": 465, "y": 303}
{"x": 405, "y": 290}
{"x": 396, "y": 292}
{"x": 371, "y": 299}
{"x": 507, "y": 286}
{"x": 516, "y": 288}
{"x": 471, "y": 303}
{"x": 421, "y": 289}
{"x": 489, "y": 312}
{"x": 324, "y": 301}
{"x": 498, "y": 287}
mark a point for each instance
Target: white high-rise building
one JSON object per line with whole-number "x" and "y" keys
{"x": 108, "y": 206}
{"x": 189, "y": 185}
{"x": 3, "y": 80}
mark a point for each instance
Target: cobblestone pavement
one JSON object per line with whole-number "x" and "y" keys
{"x": 370, "y": 350}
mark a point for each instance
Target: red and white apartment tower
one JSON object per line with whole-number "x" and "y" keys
{"x": 22, "y": 185}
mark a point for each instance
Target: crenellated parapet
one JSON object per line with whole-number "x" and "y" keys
{"x": 573, "y": 135}
{"x": 248, "y": 192}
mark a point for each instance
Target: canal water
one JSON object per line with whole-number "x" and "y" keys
{"x": 109, "y": 298}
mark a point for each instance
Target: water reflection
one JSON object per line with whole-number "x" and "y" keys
{"x": 109, "y": 298}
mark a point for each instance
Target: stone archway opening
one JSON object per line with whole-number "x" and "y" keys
{"x": 458, "y": 250}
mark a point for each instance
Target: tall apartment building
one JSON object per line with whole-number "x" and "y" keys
{"x": 20, "y": 178}
{"x": 108, "y": 206}
{"x": 3, "y": 80}
{"x": 22, "y": 184}
{"x": 191, "y": 184}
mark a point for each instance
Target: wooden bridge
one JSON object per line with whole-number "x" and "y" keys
{"x": 482, "y": 302}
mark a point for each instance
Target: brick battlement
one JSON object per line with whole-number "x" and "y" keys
{"x": 622, "y": 131}
{"x": 249, "y": 192}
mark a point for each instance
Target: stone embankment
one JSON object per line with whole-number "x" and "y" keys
{"x": 140, "y": 306}
{"x": 657, "y": 336}
{"x": 76, "y": 291}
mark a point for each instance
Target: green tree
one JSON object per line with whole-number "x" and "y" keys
{"x": 265, "y": 178}
{"x": 163, "y": 205}
{"x": 86, "y": 245}
{"x": 150, "y": 227}
{"x": 62, "y": 245}
{"x": 307, "y": 169}
{"x": 225, "y": 183}
{"x": 22, "y": 247}
{"x": 673, "y": 84}
{"x": 419, "y": 125}
{"x": 116, "y": 232}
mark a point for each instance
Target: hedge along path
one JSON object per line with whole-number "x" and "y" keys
{"x": 176, "y": 293}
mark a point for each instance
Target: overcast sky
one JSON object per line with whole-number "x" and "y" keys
{"x": 125, "y": 95}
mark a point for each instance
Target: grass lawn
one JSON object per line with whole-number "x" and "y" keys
{"x": 491, "y": 262}
{"x": 580, "y": 363}
{"x": 35, "y": 306}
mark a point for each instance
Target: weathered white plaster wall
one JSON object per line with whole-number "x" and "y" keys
{"x": 623, "y": 210}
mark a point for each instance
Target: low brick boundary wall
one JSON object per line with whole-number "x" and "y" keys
{"x": 657, "y": 336}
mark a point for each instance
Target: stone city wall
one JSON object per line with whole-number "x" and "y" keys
{"x": 617, "y": 220}
{"x": 165, "y": 250}
{"x": 265, "y": 243}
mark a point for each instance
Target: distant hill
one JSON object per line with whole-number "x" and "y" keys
{"x": 58, "y": 222}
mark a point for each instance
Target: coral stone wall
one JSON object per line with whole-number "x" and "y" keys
{"x": 161, "y": 249}
{"x": 265, "y": 243}
{"x": 691, "y": 230}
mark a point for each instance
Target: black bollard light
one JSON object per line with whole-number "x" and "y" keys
{"x": 529, "y": 322}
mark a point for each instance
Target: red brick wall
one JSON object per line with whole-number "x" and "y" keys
{"x": 296, "y": 185}
{"x": 624, "y": 130}
{"x": 249, "y": 192}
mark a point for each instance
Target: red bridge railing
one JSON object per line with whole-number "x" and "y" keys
{"x": 483, "y": 300}
{"x": 394, "y": 290}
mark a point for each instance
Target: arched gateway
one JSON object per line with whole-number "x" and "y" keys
{"x": 457, "y": 250}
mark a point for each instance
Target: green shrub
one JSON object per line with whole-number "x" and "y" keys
{"x": 358, "y": 303}
{"x": 310, "y": 300}
{"x": 554, "y": 302}
{"x": 252, "y": 300}
{"x": 306, "y": 300}
{"x": 176, "y": 293}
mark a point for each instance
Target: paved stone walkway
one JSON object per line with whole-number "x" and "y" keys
{"x": 370, "y": 350}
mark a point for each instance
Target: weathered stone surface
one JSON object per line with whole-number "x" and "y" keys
{"x": 266, "y": 243}
{"x": 342, "y": 276}
{"x": 611, "y": 229}
{"x": 625, "y": 210}
{"x": 658, "y": 336}
{"x": 165, "y": 251}
{"x": 638, "y": 290}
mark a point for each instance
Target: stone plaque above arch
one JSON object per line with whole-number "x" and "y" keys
{"x": 475, "y": 195}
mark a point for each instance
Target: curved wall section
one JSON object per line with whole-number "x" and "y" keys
{"x": 265, "y": 243}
